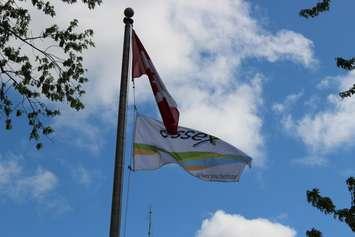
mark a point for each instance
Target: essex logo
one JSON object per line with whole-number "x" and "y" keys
{"x": 198, "y": 137}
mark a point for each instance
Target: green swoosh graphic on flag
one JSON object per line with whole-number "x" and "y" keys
{"x": 145, "y": 149}
{"x": 148, "y": 149}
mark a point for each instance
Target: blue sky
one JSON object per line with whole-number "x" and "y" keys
{"x": 253, "y": 73}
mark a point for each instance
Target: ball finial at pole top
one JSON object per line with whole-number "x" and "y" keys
{"x": 128, "y": 12}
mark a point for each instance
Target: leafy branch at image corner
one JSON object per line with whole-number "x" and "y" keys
{"x": 39, "y": 70}
{"x": 346, "y": 64}
{"x": 326, "y": 205}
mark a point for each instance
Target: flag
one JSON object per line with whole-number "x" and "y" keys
{"x": 202, "y": 155}
{"x": 143, "y": 65}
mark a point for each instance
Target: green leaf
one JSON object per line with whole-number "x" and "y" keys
{"x": 8, "y": 124}
{"x": 39, "y": 146}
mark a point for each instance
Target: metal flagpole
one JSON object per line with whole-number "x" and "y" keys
{"x": 120, "y": 136}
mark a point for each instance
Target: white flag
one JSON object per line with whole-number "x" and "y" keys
{"x": 200, "y": 154}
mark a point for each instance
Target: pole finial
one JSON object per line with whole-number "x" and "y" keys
{"x": 128, "y": 12}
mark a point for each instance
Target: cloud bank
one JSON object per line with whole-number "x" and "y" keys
{"x": 325, "y": 130}
{"x": 222, "y": 224}
{"x": 18, "y": 183}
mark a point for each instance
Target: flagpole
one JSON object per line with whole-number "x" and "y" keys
{"x": 120, "y": 136}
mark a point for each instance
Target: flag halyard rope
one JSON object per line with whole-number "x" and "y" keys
{"x": 130, "y": 166}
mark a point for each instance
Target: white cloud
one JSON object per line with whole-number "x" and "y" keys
{"x": 287, "y": 103}
{"x": 327, "y": 83}
{"x": 82, "y": 176}
{"x": 83, "y": 130}
{"x": 18, "y": 183}
{"x": 198, "y": 47}
{"x": 222, "y": 224}
{"x": 326, "y": 130}
{"x": 232, "y": 116}
{"x": 8, "y": 170}
{"x": 37, "y": 185}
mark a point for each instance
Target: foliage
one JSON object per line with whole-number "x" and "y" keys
{"x": 326, "y": 205}
{"x": 347, "y": 64}
{"x": 314, "y": 233}
{"x": 38, "y": 70}
{"x": 316, "y": 10}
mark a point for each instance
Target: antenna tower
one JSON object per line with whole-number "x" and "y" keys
{"x": 150, "y": 222}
